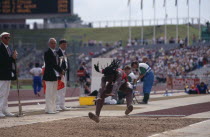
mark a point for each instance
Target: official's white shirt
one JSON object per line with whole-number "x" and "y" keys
{"x": 56, "y": 72}
{"x": 6, "y": 46}
{"x": 36, "y": 71}
{"x": 65, "y": 58}
{"x": 53, "y": 50}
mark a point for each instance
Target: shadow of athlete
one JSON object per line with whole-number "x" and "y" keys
{"x": 113, "y": 80}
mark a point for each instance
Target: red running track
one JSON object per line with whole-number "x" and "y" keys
{"x": 29, "y": 94}
{"x": 183, "y": 110}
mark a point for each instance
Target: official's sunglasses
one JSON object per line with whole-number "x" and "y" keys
{"x": 6, "y": 37}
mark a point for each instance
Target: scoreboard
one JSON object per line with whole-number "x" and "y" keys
{"x": 27, "y": 7}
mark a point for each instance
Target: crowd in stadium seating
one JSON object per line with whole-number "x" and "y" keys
{"x": 176, "y": 62}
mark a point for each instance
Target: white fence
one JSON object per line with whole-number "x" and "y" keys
{"x": 146, "y": 22}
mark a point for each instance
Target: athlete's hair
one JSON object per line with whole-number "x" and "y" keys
{"x": 111, "y": 69}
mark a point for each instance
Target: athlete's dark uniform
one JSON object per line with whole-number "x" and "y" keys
{"x": 114, "y": 79}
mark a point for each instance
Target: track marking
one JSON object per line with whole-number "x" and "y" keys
{"x": 158, "y": 115}
{"x": 192, "y": 125}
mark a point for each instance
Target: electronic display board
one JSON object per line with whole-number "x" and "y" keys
{"x": 27, "y": 7}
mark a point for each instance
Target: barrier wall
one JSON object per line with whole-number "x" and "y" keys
{"x": 96, "y": 77}
{"x": 181, "y": 83}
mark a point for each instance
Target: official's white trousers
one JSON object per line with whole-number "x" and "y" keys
{"x": 50, "y": 96}
{"x": 4, "y": 93}
{"x": 60, "y": 100}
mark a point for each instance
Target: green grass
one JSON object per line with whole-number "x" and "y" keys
{"x": 25, "y": 87}
{"x": 40, "y": 37}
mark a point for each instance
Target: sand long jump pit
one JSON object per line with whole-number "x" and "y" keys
{"x": 135, "y": 125}
{"x": 122, "y": 126}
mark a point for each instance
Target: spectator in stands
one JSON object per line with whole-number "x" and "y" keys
{"x": 194, "y": 38}
{"x": 202, "y": 88}
{"x": 160, "y": 40}
{"x": 200, "y": 62}
{"x": 52, "y": 72}
{"x": 181, "y": 43}
{"x": 178, "y": 40}
{"x": 87, "y": 90}
{"x": 145, "y": 60}
{"x": 186, "y": 41}
{"x": 36, "y": 72}
{"x": 205, "y": 60}
{"x": 7, "y": 72}
{"x": 84, "y": 73}
{"x": 172, "y": 40}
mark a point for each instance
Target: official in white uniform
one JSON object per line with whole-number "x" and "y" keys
{"x": 52, "y": 73}
{"x": 7, "y": 72}
{"x": 64, "y": 64}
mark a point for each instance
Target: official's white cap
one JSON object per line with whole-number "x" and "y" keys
{"x": 4, "y": 33}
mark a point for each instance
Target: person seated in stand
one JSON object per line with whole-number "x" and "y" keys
{"x": 83, "y": 74}
{"x": 202, "y": 88}
{"x": 192, "y": 90}
{"x": 113, "y": 80}
{"x": 87, "y": 90}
